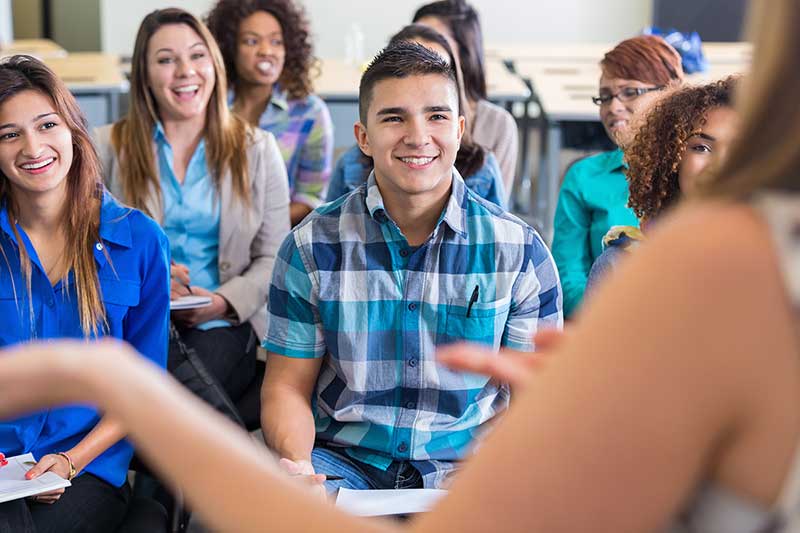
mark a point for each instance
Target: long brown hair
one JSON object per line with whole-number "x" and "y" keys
{"x": 766, "y": 153}
{"x": 226, "y": 135}
{"x": 81, "y": 210}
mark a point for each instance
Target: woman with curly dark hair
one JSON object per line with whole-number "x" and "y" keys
{"x": 594, "y": 193}
{"x": 266, "y": 45}
{"x": 682, "y": 136}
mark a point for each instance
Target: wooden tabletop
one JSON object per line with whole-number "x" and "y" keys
{"x": 338, "y": 81}
{"x": 89, "y": 71}
{"x": 715, "y": 52}
{"x": 566, "y": 80}
{"x": 40, "y": 48}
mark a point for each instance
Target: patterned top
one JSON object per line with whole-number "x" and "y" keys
{"x": 352, "y": 169}
{"x": 348, "y": 287}
{"x": 304, "y": 132}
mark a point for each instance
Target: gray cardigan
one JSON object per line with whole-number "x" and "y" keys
{"x": 249, "y": 236}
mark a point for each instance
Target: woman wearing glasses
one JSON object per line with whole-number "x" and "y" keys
{"x": 594, "y": 195}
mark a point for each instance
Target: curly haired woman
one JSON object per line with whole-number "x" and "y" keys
{"x": 266, "y": 45}
{"x": 682, "y": 136}
{"x": 594, "y": 193}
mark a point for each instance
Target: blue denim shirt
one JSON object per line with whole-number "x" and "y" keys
{"x": 350, "y": 172}
{"x": 135, "y": 292}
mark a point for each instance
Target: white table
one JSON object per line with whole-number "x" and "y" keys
{"x": 564, "y": 78}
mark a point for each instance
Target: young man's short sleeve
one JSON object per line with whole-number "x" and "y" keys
{"x": 536, "y": 298}
{"x": 293, "y": 323}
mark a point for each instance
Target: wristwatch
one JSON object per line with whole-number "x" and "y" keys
{"x": 72, "y": 470}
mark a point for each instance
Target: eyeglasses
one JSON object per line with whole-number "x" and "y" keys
{"x": 626, "y": 94}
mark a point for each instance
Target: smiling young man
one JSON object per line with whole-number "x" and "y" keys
{"x": 366, "y": 287}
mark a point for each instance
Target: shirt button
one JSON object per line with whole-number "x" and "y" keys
{"x": 224, "y": 266}
{"x": 412, "y": 307}
{"x": 411, "y": 405}
{"x": 99, "y": 247}
{"x": 404, "y": 252}
{"x": 412, "y": 362}
{"x": 50, "y": 302}
{"x": 403, "y": 447}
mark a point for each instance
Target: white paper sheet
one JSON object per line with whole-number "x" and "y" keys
{"x": 189, "y": 302}
{"x": 387, "y": 502}
{"x": 13, "y": 484}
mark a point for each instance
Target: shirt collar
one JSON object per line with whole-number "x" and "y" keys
{"x": 454, "y": 213}
{"x": 616, "y": 160}
{"x": 279, "y": 98}
{"x": 5, "y": 223}
{"x": 114, "y": 226}
{"x": 159, "y": 135}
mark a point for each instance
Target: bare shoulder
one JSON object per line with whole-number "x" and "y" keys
{"x": 728, "y": 242}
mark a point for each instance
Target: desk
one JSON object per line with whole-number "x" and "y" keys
{"x": 563, "y": 79}
{"x": 41, "y": 48}
{"x": 338, "y": 82}
{"x": 96, "y": 80}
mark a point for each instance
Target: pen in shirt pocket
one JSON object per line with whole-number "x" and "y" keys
{"x": 472, "y": 300}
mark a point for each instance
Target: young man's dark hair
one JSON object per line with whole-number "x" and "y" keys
{"x": 400, "y": 60}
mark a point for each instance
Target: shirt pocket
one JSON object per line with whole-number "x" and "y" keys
{"x": 482, "y": 322}
{"x": 119, "y": 296}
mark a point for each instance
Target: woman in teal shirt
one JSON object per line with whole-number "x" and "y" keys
{"x": 594, "y": 195}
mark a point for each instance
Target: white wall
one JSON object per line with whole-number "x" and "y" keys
{"x": 504, "y": 21}
{"x": 6, "y": 30}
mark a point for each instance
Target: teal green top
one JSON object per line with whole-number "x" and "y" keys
{"x": 594, "y": 197}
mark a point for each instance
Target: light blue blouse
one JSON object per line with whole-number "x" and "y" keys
{"x": 191, "y": 216}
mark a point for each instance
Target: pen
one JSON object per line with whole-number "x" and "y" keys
{"x": 328, "y": 477}
{"x": 472, "y": 300}
{"x": 188, "y": 288}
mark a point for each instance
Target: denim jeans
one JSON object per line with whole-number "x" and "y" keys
{"x": 361, "y": 476}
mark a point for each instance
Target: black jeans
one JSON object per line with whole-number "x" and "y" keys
{"x": 229, "y": 354}
{"x": 89, "y": 505}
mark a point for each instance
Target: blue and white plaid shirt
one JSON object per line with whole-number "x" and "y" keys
{"x": 347, "y": 286}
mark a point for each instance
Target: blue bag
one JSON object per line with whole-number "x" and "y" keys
{"x": 688, "y": 46}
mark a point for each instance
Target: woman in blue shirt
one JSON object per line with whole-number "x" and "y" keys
{"x": 216, "y": 185}
{"x": 75, "y": 264}
{"x": 478, "y": 166}
{"x": 594, "y": 194}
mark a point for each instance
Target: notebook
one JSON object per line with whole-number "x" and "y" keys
{"x": 14, "y": 486}
{"x": 388, "y": 502}
{"x": 189, "y": 302}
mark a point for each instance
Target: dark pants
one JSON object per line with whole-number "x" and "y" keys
{"x": 89, "y": 505}
{"x": 229, "y": 354}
